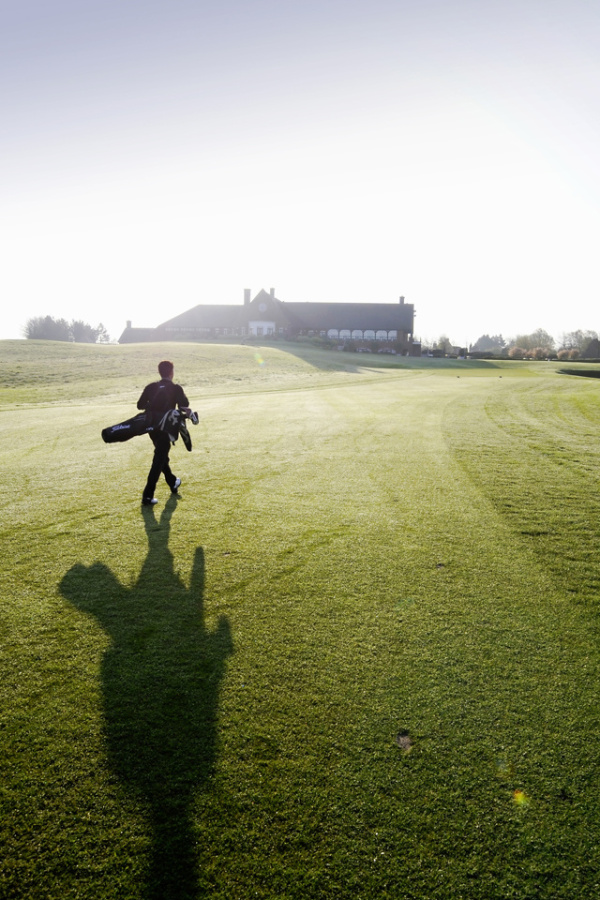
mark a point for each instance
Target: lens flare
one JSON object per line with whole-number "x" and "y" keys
{"x": 259, "y": 359}
{"x": 520, "y": 798}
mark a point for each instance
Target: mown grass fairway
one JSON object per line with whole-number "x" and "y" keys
{"x": 359, "y": 658}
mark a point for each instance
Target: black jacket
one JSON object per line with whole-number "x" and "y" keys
{"x": 161, "y": 396}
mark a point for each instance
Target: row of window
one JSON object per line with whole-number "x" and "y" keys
{"x": 343, "y": 334}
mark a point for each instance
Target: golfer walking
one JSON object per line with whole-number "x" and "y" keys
{"x": 157, "y": 399}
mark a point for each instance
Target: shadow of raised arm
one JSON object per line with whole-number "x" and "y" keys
{"x": 161, "y": 680}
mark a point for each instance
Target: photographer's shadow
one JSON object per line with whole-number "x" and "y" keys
{"x": 161, "y": 679}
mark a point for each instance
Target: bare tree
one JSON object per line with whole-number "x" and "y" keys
{"x": 538, "y": 338}
{"x": 487, "y": 342}
{"x": 443, "y": 343}
{"x": 577, "y": 340}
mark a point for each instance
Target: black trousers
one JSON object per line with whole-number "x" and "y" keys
{"x": 160, "y": 463}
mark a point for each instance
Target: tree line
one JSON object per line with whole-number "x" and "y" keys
{"x": 46, "y": 328}
{"x": 539, "y": 345}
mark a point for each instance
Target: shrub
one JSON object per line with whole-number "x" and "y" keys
{"x": 539, "y": 353}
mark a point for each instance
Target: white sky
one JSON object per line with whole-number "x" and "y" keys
{"x": 158, "y": 155}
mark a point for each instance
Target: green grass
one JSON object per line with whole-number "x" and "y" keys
{"x": 361, "y": 659}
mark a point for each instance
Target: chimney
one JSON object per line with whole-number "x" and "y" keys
{"x": 246, "y": 296}
{"x": 129, "y": 323}
{"x": 272, "y": 293}
{"x": 401, "y": 301}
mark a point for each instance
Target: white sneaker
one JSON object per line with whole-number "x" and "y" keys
{"x": 149, "y": 501}
{"x": 176, "y": 485}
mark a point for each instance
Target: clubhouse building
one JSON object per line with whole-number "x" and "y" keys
{"x": 265, "y": 316}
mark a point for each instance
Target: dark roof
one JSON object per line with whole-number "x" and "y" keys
{"x": 360, "y": 316}
{"x": 300, "y": 315}
{"x": 209, "y": 315}
{"x": 138, "y": 335}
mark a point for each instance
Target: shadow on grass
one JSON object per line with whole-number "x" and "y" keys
{"x": 329, "y": 359}
{"x": 161, "y": 679}
{"x": 585, "y": 373}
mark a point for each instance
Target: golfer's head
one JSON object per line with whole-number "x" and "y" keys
{"x": 166, "y": 369}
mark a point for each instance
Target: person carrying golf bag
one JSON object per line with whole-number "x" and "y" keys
{"x": 157, "y": 400}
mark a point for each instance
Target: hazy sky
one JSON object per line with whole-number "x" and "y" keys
{"x": 158, "y": 155}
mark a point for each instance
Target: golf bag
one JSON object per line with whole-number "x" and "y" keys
{"x": 123, "y": 431}
{"x": 172, "y": 423}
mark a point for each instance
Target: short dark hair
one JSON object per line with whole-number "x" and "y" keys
{"x": 165, "y": 368}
